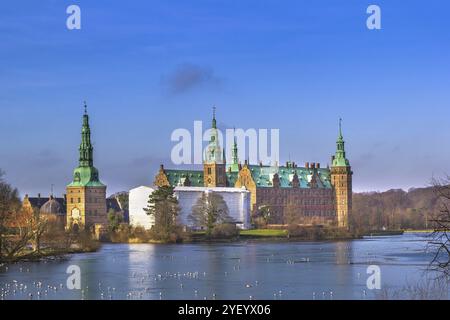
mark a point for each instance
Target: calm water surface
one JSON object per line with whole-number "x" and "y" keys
{"x": 253, "y": 270}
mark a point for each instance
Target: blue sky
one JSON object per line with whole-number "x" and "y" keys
{"x": 149, "y": 67}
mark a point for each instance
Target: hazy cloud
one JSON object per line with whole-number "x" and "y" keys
{"x": 190, "y": 76}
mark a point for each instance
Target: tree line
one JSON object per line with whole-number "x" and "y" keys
{"x": 395, "y": 209}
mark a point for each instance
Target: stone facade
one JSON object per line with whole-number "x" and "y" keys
{"x": 86, "y": 207}
{"x": 86, "y": 195}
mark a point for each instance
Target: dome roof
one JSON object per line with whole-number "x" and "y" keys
{"x": 52, "y": 206}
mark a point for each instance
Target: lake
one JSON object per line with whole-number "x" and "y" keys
{"x": 244, "y": 270}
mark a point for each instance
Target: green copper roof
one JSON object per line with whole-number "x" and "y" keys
{"x": 178, "y": 177}
{"x": 262, "y": 175}
{"x": 231, "y": 178}
{"x": 340, "y": 159}
{"x": 86, "y": 175}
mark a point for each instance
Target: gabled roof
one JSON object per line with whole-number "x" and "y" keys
{"x": 38, "y": 202}
{"x": 177, "y": 177}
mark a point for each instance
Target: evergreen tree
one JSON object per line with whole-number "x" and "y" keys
{"x": 163, "y": 206}
{"x": 209, "y": 211}
{"x": 114, "y": 220}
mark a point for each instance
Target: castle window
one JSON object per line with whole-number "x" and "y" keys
{"x": 79, "y": 200}
{"x": 209, "y": 170}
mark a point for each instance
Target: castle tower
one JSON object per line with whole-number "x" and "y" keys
{"x": 341, "y": 180}
{"x": 86, "y": 195}
{"x": 214, "y": 162}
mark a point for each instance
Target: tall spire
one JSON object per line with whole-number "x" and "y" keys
{"x": 235, "y": 152}
{"x": 340, "y": 160}
{"x": 86, "y": 149}
{"x": 214, "y": 122}
{"x": 213, "y": 153}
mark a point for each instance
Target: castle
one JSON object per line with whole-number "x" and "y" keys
{"x": 289, "y": 194}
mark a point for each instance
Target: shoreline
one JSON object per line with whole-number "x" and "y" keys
{"x": 55, "y": 255}
{"x": 245, "y": 238}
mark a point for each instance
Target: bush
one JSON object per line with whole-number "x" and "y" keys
{"x": 87, "y": 242}
{"x": 317, "y": 233}
{"x": 121, "y": 234}
{"x": 307, "y": 233}
{"x": 225, "y": 231}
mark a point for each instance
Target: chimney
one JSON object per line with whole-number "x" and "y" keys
{"x": 307, "y": 165}
{"x": 313, "y": 165}
{"x": 318, "y": 166}
{"x": 161, "y": 167}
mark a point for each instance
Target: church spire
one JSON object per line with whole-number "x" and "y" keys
{"x": 86, "y": 149}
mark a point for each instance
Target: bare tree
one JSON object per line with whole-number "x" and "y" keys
{"x": 440, "y": 243}
{"x": 9, "y": 204}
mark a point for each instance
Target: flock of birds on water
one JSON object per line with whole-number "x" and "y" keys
{"x": 145, "y": 284}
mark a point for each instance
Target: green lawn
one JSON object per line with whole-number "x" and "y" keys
{"x": 264, "y": 233}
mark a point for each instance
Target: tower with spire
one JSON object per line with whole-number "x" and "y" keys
{"x": 86, "y": 194}
{"x": 341, "y": 180}
{"x": 233, "y": 166}
{"x": 214, "y": 174}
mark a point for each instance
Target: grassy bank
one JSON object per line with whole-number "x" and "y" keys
{"x": 420, "y": 231}
{"x": 264, "y": 233}
{"x": 48, "y": 254}
{"x": 295, "y": 233}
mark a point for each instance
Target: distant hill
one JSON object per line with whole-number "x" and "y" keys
{"x": 394, "y": 209}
